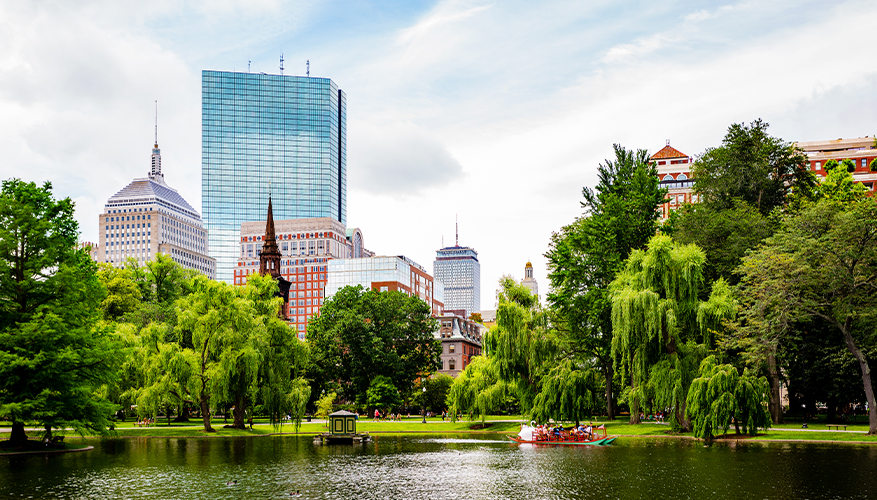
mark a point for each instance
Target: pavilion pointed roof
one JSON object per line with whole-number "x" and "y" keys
{"x": 668, "y": 151}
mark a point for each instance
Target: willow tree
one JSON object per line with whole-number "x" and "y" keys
{"x": 519, "y": 345}
{"x": 720, "y": 394}
{"x": 661, "y": 328}
{"x": 569, "y": 391}
{"x": 478, "y": 391}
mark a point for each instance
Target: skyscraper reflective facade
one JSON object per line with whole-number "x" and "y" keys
{"x": 458, "y": 269}
{"x": 256, "y": 129}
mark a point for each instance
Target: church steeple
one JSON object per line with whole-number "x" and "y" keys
{"x": 269, "y": 260}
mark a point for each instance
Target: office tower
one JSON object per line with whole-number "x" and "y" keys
{"x": 148, "y": 217}
{"x": 261, "y": 133}
{"x": 305, "y": 246}
{"x": 459, "y": 271}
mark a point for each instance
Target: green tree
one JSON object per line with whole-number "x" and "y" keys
{"x": 383, "y": 394}
{"x": 724, "y": 234}
{"x": 823, "y": 263}
{"x": 661, "y": 328}
{"x": 53, "y": 355}
{"x": 219, "y": 319}
{"x": 324, "y": 404}
{"x": 122, "y": 293}
{"x": 362, "y": 334}
{"x": 751, "y": 166}
{"x": 436, "y": 395}
{"x": 585, "y": 256}
{"x": 720, "y": 394}
{"x": 478, "y": 391}
{"x": 519, "y": 345}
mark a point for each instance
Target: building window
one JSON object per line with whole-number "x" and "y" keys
{"x": 451, "y": 364}
{"x": 451, "y": 348}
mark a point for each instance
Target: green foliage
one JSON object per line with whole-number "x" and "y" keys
{"x": 478, "y": 391}
{"x": 724, "y": 234}
{"x": 585, "y": 256}
{"x": 568, "y": 392}
{"x": 53, "y": 355}
{"x": 519, "y": 344}
{"x": 839, "y": 185}
{"x": 872, "y": 167}
{"x": 123, "y": 295}
{"x": 751, "y": 166}
{"x": 383, "y": 394}
{"x": 324, "y": 405}
{"x": 823, "y": 263}
{"x": 659, "y": 322}
{"x": 360, "y": 335}
{"x": 437, "y": 390}
{"x": 720, "y": 394}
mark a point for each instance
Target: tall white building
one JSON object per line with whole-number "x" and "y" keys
{"x": 458, "y": 269}
{"x": 148, "y": 217}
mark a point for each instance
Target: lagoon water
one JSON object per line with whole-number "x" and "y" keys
{"x": 442, "y": 467}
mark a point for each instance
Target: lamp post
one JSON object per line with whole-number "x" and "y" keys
{"x": 423, "y": 405}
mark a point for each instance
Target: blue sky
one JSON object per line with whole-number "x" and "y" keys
{"x": 496, "y": 111}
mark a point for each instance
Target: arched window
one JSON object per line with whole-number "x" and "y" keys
{"x": 667, "y": 178}
{"x": 681, "y": 177}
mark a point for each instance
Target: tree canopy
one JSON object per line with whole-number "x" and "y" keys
{"x": 822, "y": 263}
{"x": 53, "y": 354}
{"x": 362, "y": 334}
{"x": 751, "y": 166}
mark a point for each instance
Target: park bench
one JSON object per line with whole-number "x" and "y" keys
{"x": 836, "y": 426}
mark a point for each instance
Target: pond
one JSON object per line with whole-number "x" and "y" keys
{"x": 441, "y": 467}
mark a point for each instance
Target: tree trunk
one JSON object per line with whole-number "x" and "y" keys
{"x": 239, "y": 414}
{"x": 18, "y": 438}
{"x": 48, "y": 436}
{"x": 205, "y": 411}
{"x": 610, "y": 404}
{"x": 634, "y": 411}
{"x": 866, "y": 378}
{"x": 775, "y": 404}
{"x": 680, "y": 417}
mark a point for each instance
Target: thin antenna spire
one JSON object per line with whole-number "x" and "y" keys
{"x": 156, "y": 123}
{"x": 308, "y": 68}
{"x": 281, "y": 64}
{"x": 269, "y": 188}
{"x": 457, "y": 229}
{"x": 248, "y": 65}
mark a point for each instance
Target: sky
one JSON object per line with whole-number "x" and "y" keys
{"x": 495, "y": 114}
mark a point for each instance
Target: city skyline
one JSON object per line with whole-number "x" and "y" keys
{"x": 456, "y": 107}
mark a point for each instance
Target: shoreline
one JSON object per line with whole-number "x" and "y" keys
{"x": 746, "y": 439}
{"x": 44, "y": 452}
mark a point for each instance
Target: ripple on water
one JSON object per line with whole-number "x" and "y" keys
{"x": 440, "y": 468}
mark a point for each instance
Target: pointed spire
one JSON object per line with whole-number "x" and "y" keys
{"x": 269, "y": 226}
{"x": 269, "y": 259}
{"x": 155, "y": 172}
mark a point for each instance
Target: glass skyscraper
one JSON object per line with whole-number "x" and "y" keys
{"x": 260, "y": 132}
{"x": 458, "y": 269}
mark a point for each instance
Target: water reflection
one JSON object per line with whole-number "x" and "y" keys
{"x": 446, "y": 467}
